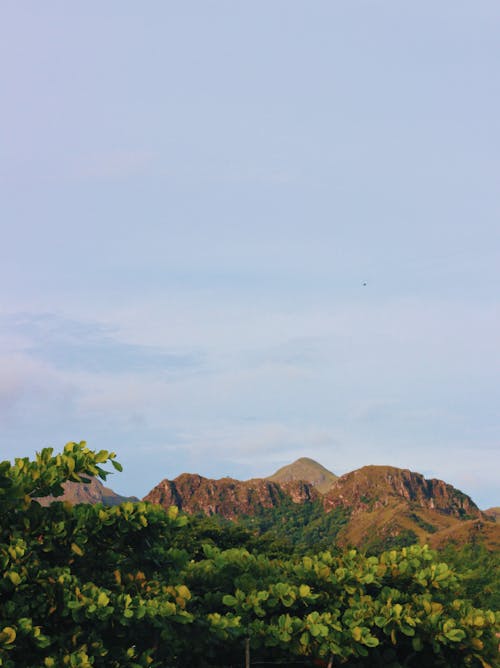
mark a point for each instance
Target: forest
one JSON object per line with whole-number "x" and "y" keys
{"x": 136, "y": 585}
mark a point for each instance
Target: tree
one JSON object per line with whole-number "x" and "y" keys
{"x": 135, "y": 585}
{"x": 80, "y": 585}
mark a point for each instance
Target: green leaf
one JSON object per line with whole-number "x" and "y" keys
{"x": 455, "y": 635}
{"x": 102, "y": 599}
{"x": 77, "y": 549}
{"x": 304, "y": 590}
{"x": 14, "y": 577}
{"x": 371, "y": 641}
{"x": 229, "y": 600}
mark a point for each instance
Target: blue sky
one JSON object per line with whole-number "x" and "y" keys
{"x": 192, "y": 199}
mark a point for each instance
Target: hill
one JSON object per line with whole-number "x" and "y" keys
{"x": 493, "y": 512}
{"x": 227, "y": 497}
{"x": 92, "y": 492}
{"x": 308, "y": 470}
{"x": 390, "y": 506}
{"x": 372, "y": 508}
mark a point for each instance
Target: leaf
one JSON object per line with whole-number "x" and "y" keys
{"x": 455, "y": 635}
{"x": 304, "y": 590}
{"x": 117, "y": 465}
{"x": 8, "y": 635}
{"x": 15, "y": 578}
{"x": 371, "y": 641}
{"x": 184, "y": 592}
{"x": 304, "y": 639}
{"x": 102, "y": 599}
{"x": 229, "y": 600}
{"x": 77, "y": 549}
{"x": 172, "y": 512}
{"x": 356, "y": 633}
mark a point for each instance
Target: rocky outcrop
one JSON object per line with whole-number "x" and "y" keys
{"x": 227, "y": 497}
{"x": 373, "y": 487}
{"x": 384, "y": 505}
{"x": 388, "y": 504}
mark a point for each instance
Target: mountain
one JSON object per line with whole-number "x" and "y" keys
{"x": 373, "y": 487}
{"x": 372, "y": 508}
{"x": 377, "y": 507}
{"x": 227, "y": 497}
{"x": 493, "y": 512}
{"x": 92, "y": 492}
{"x": 308, "y": 470}
{"x": 387, "y": 504}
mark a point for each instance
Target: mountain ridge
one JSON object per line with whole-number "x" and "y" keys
{"x": 383, "y": 505}
{"x": 227, "y": 497}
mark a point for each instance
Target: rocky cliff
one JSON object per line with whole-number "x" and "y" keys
{"x": 386, "y": 503}
{"x": 228, "y": 497}
{"x": 373, "y": 487}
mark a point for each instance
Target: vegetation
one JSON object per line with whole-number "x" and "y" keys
{"x": 135, "y": 585}
{"x": 293, "y": 528}
{"x": 479, "y": 570}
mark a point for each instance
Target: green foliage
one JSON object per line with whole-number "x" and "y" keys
{"x": 44, "y": 476}
{"x": 480, "y": 571}
{"x": 426, "y": 526}
{"x": 84, "y": 585}
{"x": 380, "y": 543}
{"x": 134, "y": 585}
{"x": 296, "y": 528}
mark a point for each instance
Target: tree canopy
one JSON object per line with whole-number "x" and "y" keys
{"x": 135, "y": 585}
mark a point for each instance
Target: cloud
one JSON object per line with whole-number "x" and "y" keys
{"x": 219, "y": 388}
{"x": 73, "y": 345}
{"x": 29, "y": 388}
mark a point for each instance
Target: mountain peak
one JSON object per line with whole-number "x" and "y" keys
{"x": 308, "y": 470}
{"x": 92, "y": 492}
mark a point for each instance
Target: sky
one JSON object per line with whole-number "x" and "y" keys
{"x": 233, "y": 234}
